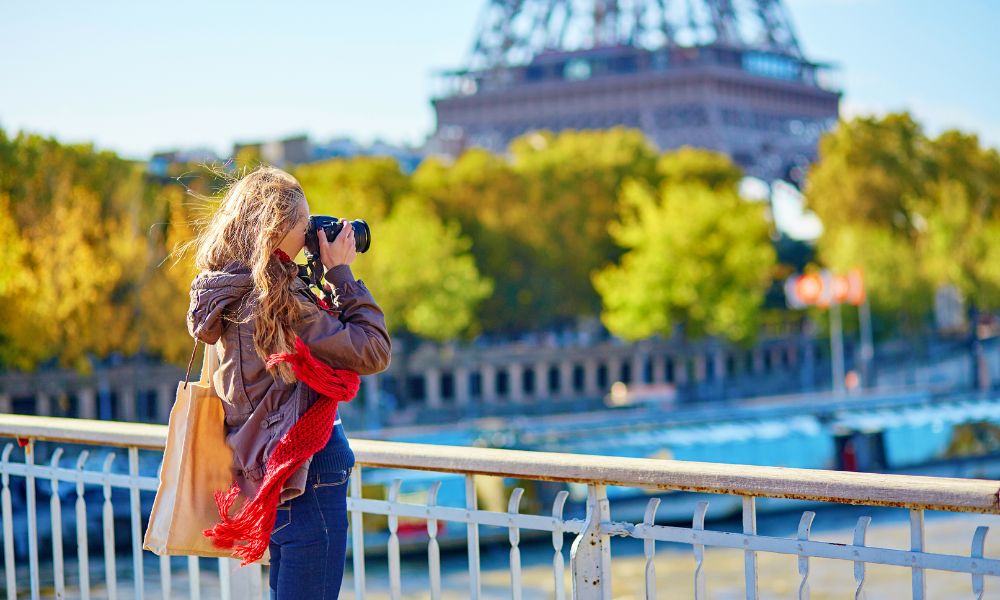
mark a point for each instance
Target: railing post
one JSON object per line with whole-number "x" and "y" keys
{"x": 978, "y": 541}
{"x": 859, "y": 565}
{"x": 514, "y": 534}
{"x": 558, "y": 563}
{"x": 917, "y": 545}
{"x": 244, "y": 582}
{"x": 82, "y": 547}
{"x": 395, "y": 582}
{"x": 357, "y": 536}
{"x": 805, "y": 528}
{"x": 194, "y": 578}
{"x": 590, "y": 555}
{"x": 472, "y": 537}
{"x": 749, "y": 556}
{"x": 33, "y": 575}
{"x": 136, "y": 516}
{"x": 108, "y": 524}
{"x": 55, "y": 513}
{"x": 649, "y": 547}
{"x": 698, "y": 527}
{"x": 433, "y": 548}
{"x": 7, "y": 514}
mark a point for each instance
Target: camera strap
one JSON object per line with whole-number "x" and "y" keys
{"x": 313, "y": 276}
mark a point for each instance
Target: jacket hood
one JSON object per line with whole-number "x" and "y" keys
{"x": 211, "y": 293}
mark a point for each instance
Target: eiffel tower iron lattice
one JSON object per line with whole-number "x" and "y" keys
{"x": 727, "y": 75}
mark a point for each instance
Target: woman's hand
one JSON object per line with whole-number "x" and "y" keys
{"x": 341, "y": 251}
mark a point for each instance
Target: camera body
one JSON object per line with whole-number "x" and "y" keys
{"x": 331, "y": 228}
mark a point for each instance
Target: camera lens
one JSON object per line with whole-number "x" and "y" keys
{"x": 362, "y": 235}
{"x": 331, "y": 228}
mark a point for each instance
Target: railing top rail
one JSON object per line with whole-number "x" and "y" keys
{"x": 907, "y": 491}
{"x": 84, "y": 431}
{"x": 931, "y": 493}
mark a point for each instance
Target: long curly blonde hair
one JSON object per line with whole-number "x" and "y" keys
{"x": 255, "y": 213}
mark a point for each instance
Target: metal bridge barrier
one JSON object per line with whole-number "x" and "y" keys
{"x": 590, "y": 537}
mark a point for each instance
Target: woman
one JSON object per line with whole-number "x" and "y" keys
{"x": 249, "y": 301}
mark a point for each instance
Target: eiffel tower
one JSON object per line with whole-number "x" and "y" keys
{"x": 727, "y": 75}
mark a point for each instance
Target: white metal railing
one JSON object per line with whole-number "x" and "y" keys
{"x": 590, "y": 558}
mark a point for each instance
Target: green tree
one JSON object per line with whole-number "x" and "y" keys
{"x": 361, "y": 187}
{"x": 962, "y": 204}
{"x": 248, "y": 158}
{"x": 870, "y": 170}
{"x": 538, "y": 217}
{"x": 16, "y": 289}
{"x": 694, "y": 165}
{"x": 696, "y": 255}
{"x": 73, "y": 214}
{"x": 427, "y": 281}
{"x": 913, "y": 212}
{"x": 420, "y": 266}
{"x": 481, "y": 192}
{"x": 165, "y": 288}
{"x": 894, "y": 279}
{"x": 84, "y": 306}
{"x": 572, "y": 180}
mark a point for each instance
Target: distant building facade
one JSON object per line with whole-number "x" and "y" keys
{"x": 684, "y": 79}
{"x": 159, "y": 163}
{"x": 430, "y": 379}
{"x": 286, "y": 153}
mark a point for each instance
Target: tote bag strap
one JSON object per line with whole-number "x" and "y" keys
{"x": 190, "y": 361}
{"x": 208, "y": 365}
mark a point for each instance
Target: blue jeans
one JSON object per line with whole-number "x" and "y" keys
{"x": 309, "y": 540}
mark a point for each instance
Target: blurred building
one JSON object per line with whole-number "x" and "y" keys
{"x": 716, "y": 74}
{"x": 300, "y": 150}
{"x": 287, "y": 152}
{"x": 293, "y": 150}
{"x": 159, "y": 163}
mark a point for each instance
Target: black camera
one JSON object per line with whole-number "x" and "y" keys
{"x": 312, "y": 271}
{"x": 331, "y": 227}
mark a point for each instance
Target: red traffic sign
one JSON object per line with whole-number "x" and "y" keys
{"x": 824, "y": 289}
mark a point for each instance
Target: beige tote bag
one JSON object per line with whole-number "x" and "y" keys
{"x": 196, "y": 463}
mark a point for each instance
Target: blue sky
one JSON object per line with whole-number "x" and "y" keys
{"x": 137, "y": 77}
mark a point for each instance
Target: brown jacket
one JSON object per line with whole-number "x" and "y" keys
{"x": 259, "y": 408}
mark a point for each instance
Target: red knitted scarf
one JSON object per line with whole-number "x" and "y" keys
{"x": 253, "y": 522}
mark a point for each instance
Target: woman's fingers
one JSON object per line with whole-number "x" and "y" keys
{"x": 351, "y": 247}
{"x": 341, "y": 250}
{"x": 345, "y": 232}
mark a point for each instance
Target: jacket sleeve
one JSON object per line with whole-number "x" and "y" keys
{"x": 354, "y": 338}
